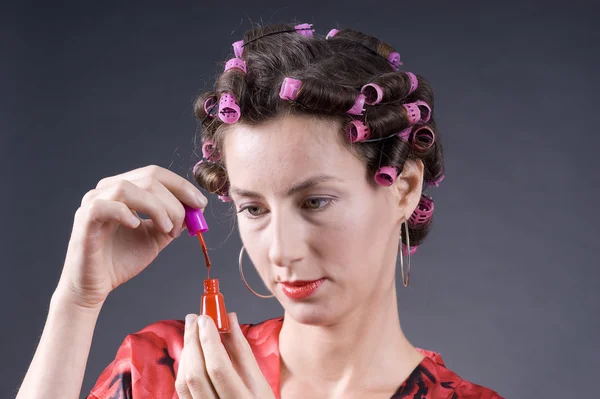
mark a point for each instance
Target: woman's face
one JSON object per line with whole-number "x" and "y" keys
{"x": 340, "y": 229}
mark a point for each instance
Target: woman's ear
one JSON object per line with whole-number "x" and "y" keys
{"x": 408, "y": 187}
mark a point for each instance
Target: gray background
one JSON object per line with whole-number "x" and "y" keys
{"x": 506, "y": 285}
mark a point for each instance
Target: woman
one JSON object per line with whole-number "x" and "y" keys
{"x": 325, "y": 147}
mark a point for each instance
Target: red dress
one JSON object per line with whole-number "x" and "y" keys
{"x": 146, "y": 366}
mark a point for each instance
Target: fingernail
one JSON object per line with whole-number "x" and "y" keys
{"x": 189, "y": 319}
{"x": 203, "y": 320}
{"x": 202, "y": 201}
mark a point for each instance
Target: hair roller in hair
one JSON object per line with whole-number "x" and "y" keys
{"x": 229, "y": 110}
{"x": 425, "y": 110}
{"x": 373, "y": 93}
{"x": 210, "y": 152}
{"x": 209, "y": 103}
{"x": 237, "y": 63}
{"x": 422, "y": 212}
{"x": 331, "y": 34}
{"x": 413, "y": 249}
{"x": 438, "y": 180}
{"x": 423, "y": 138}
{"x": 413, "y": 112}
{"x": 386, "y": 176}
{"x": 414, "y": 82}
{"x": 225, "y": 198}
{"x": 238, "y": 48}
{"x": 405, "y": 134}
{"x": 289, "y": 89}
{"x": 357, "y": 131}
{"x": 394, "y": 60}
{"x": 359, "y": 105}
{"x": 305, "y": 30}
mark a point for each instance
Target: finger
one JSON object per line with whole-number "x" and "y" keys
{"x": 223, "y": 376}
{"x": 183, "y": 189}
{"x": 173, "y": 206}
{"x": 243, "y": 359}
{"x": 99, "y": 212}
{"x": 192, "y": 380}
{"x": 136, "y": 198}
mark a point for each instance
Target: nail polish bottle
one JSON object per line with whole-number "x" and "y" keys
{"x": 213, "y": 305}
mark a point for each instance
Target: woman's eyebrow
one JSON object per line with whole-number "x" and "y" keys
{"x": 303, "y": 185}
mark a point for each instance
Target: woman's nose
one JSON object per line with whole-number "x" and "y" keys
{"x": 286, "y": 241}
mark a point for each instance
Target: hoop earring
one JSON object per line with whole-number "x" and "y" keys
{"x": 244, "y": 279}
{"x": 400, "y": 252}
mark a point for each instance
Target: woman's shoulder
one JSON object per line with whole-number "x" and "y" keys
{"x": 433, "y": 379}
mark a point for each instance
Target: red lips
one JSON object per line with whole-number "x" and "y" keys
{"x": 300, "y": 289}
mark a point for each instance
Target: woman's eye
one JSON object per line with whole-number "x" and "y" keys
{"x": 312, "y": 204}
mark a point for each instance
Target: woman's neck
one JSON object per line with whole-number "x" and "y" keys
{"x": 367, "y": 351}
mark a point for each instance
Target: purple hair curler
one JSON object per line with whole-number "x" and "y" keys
{"x": 423, "y": 212}
{"x": 423, "y": 138}
{"x": 359, "y": 105}
{"x": 394, "y": 60}
{"x": 196, "y": 166}
{"x": 331, "y": 33}
{"x": 238, "y": 48}
{"x": 414, "y": 82}
{"x": 413, "y": 112}
{"x": 289, "y": 89}
{"x": 305, "y": 30}
{"x": 425, "y": 110}
{"x": 237, "y": 63}
{"x": 413, "y": 249}
{"x": 373, "y": 93}
{"x": 229, "y": 110}
{"x": 438, "y": 180}
{"x": 357, "y": 131}
{"x": 210, "y": 152}
{"x": 386, "y": 176}
{"x": 405, "y": 134}
{"x": 194, "y": 220}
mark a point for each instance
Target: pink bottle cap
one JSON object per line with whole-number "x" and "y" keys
{"x": 194, "y": 220}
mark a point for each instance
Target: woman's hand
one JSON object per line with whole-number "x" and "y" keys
{"x": 110, "y": 244}
{"x": 214, "y": 365}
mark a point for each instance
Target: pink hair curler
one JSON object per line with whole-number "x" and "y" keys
{"x": 438, "y": 180}
{"x": 229, "y": 110}
{"x": 394, "y": 60}
{"x": 386, "y": 175}
{"x": 423, "y": 211}
{"x": 238, "y": 48}
{"x": 331, "y": 33}
{"x": 413, "y": 112}
{"x": 237, "y": 63}
{"x": 290, "y": 88}
{"x": 305, "y": 30}
{"x": 357, "y": 131}
{"x": 359, "y": 105}
{"x": 413, "y": 249}
{"x": 373, "y": 93}
{"x": 405, "y": 134}
{"x": 194, "y": 220}
{"x": 414, "y": 82}
{"x": 425, "y": 110}
{"x": 208, "y": 104}
{"x": 423, "y": 138}
{"x": 225, "y": 198}
{"x": 210, "y": 152}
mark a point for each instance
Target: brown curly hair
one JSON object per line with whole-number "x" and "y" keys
{"x": 332, "y": 70}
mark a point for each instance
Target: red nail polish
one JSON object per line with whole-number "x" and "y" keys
{"x": 213, "y": 305}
